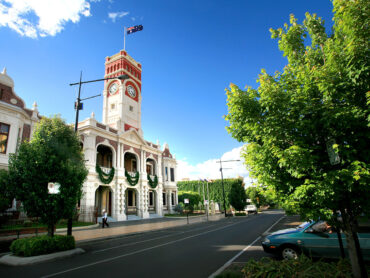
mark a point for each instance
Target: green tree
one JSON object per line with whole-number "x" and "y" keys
{"x": 308, "y": 126}
{"x": 255, "y": 195}
{"x": 6, "y": 192}
{"x": 52, "y": 155}
{"x": 237, "y": 196}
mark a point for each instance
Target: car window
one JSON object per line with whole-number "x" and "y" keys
{"x": 321, "y": 227}
{"x": 303, "y": 225}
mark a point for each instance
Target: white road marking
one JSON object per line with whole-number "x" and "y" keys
{"x": 222, "y": 268}
{"x": 140, "y": 251}
{"x": 151, "y": 239}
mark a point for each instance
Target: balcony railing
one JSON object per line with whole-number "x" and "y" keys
{"x": 105, "y": 170}
{"x": 132, "y": 174}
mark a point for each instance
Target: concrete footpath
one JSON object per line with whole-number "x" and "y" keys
{"x": 118, "y": 229}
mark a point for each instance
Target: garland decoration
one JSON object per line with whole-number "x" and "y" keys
{"x": 153, "y": 184}
{"x": 105, "y": 178}
{"x": 132, "y": 181}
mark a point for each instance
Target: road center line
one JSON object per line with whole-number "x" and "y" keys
{"x": 142, "y": 250}
{"x": 222, "y": 268}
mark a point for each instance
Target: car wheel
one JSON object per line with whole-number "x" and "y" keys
{"x": 289, "y": 252}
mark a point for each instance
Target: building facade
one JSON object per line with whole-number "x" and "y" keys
{"x": 129, "y": 177}
{"x": 16, "y": 121}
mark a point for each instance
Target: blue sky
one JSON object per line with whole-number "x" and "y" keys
{"x": 190, "y": 52}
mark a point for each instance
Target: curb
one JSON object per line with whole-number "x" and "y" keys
{"x": 78, "y": 228}
{"x": 21, "y": 261}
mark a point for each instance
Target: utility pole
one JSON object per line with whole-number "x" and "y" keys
{"x": 222, "y": 180}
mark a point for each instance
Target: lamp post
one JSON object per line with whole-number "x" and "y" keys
{"x": 222, "y": 180}
{"x": 78, "y": 107}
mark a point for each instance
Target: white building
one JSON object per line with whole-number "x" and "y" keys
{"x": 16, "y": 121}
{"x": 137, "y": 178}
{"x": 144, "y": 180}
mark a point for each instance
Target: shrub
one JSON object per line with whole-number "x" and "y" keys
{"x": 33, "y": 246}
{"x": 268, "y": 267}
{"x": 179, "y": 208}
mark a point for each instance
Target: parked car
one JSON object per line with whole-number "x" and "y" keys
{"x": 251, "y": 209}
{"x": 315, "y": 239}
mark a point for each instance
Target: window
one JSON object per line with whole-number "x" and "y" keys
{"x": 151, "y": 203}
{"x": 113, "y": 106}
{"x": 166, "y": 171}
{"x": 1, "y": 93}
{"x": 4, "y": 134}
{"x": 172, "y": 199}
{"x": 164, "y": 198}
{"x": 134, "y": 165}
{"x": 172, "y": 174}
{"x": 131, "y": 108}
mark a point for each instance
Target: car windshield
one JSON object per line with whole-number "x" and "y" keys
{"x": 303, "y": 225}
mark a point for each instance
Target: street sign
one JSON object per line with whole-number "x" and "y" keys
{"x": 53, "y": 187}
{"x": 186, "y": 201}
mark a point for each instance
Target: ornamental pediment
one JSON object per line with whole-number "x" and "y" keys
{"x": 134, "y": 137}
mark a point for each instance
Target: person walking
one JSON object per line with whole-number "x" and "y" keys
{"x": 105, "y": 219}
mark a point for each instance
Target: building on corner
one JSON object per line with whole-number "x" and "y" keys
{"x": 129, "y": 177}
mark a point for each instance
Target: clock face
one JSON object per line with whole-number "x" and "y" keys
{"x": 113, "y": 88}
{"x": 131, "y": 91}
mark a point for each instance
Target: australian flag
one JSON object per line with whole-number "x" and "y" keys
{"x": 134, "y": 29}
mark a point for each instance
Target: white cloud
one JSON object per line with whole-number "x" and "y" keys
{"x": 116, "y": 15}
{"x": 210, "y": 169}
{"x": 33, "y": 18}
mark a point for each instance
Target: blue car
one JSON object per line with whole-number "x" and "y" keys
{"x": 315, "y": 239}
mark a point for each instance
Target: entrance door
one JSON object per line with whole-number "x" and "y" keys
{"x": 103, "y": 200}
{"x": 152, "y": 201}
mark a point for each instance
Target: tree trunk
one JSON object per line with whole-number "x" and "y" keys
{"x": 353, "y": 246}
{"x": 51, "y": 229}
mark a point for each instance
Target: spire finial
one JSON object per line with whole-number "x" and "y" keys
{"x": 4, "y": 71}
{"x": 34, "y": 106}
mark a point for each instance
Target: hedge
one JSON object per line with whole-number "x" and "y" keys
{"x": 215, "y": 189}
{"x": 302, "y": 267}
{"x": 33, "y": 246}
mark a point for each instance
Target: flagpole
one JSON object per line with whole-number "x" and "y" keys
{"x": 124, "y": 38}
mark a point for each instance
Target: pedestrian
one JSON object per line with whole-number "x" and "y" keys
{"x": 105, "y": 218}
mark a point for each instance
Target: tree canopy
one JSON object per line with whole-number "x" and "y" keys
{"x": 52, "y": 155}
{"x": 307, "y": 126}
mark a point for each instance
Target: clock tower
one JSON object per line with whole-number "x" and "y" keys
{"x": 122, "y": 98}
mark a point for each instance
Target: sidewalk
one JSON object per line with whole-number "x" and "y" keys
{"x": 133, "y": 227}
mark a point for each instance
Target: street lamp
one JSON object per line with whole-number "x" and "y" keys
{"x": 78, "y": 107}
{"x": 222, "y": 180}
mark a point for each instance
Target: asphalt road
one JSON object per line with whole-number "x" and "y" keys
{"x": 196, "y": 250}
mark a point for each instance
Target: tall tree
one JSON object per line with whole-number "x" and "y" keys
{"x": 6, "y": 192}
{"x": 308, "y": 126}
{"x": 237, "y": 196}
{"x": 52, "y": 155}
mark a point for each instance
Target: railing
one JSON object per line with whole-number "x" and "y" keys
{"x": 132, "y": 174}
{"x": 131, "y": 210}
{"x": 105, "y": 170}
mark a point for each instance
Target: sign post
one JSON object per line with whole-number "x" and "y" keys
{"x": 186, "y": 201}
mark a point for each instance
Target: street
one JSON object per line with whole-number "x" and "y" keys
{"x": 195, "y": 250}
